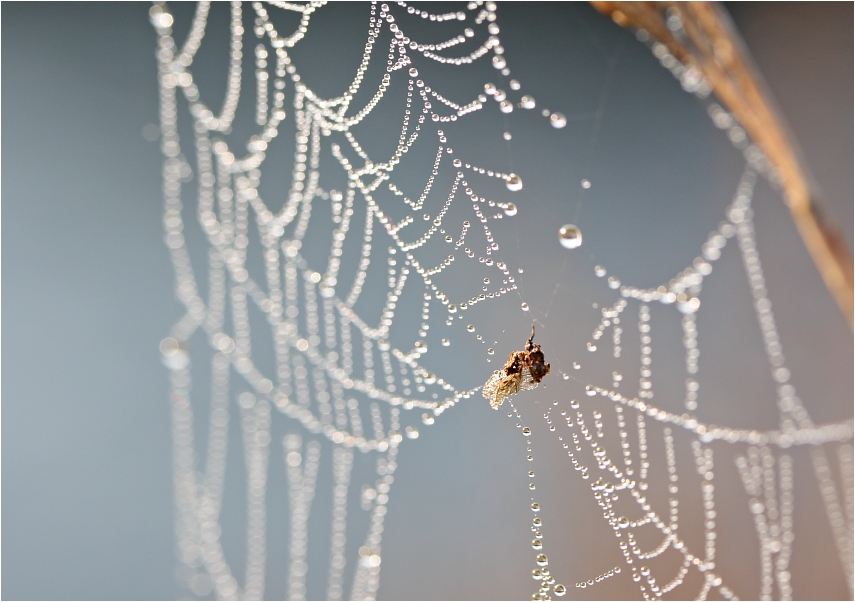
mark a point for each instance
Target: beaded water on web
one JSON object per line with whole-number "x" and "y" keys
{"x": 340, "y": 372}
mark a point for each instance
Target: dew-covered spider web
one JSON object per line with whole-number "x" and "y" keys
{"x": 356, "y": 256}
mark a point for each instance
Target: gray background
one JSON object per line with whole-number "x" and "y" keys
{"x": 87, "y": 510}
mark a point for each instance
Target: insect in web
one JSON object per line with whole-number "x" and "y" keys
{"x": 523, "y": 371}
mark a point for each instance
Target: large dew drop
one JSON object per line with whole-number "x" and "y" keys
{"x": 510, "y": 210}
{"x": 514, "y": 182}
{"x": 570, "y": 236}
{"x": 558, "y": 120}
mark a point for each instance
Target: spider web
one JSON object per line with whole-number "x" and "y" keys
{"x": 306, "y": 311}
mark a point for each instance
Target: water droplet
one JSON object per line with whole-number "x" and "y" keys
{"x": 570, "y": 237}
{"x": 175, "y": 354}
{"x": 499, "y": 62}
{"x": 536, "y": 574}
{"x": 427, "y": 419}
{"x": 429, "y": 378}
{"x": 617, "y": 376}
{"x": 486, "y": 281}
{"x": 514, "y": 182}
{"x": 590, "y": 391}
{"x": 542, "y": 560}
{"x": 535, "y": 507}
{"x": 527, "y": 102}
{"x": 526, "y": 431}
{"x": 506, "y": 106}
{"x": 452, "y": 309}
{"x": 491, "y": 351}
{"x": 576, "y": 365}
{"x": 457, "y": 163}
{"x": 507, "y": 136}
{"x": 586, "y": 184}
{"x": 557, "y": 120}
{"x": 686, "y": 304}
{"x": 566, "y": 377}
{"x": 420, "y": 346}
{"x": 623, "y": 522}
{"x": 591, "y": 346}
{"x": 524, "y": 306}
{"x": 510, "y": 209}
{"x": 448, "y": 239}
{"x": 559, "y": 590}
{"x": 412, "y": 432}
{"x": 414, "y": 72}
{"x": 446, "y": 342}
{"x": 614, "y": 283}
{"x": 536, "y": 544}
{"x": 600, "y": 271}
{"x": 383, "y": 345}
{"x": 470, "y": 328}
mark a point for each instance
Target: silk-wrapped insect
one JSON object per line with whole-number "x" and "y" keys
{"x": 523, "y": 371}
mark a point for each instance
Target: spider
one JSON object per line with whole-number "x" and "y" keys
{"x": 523, "y": 371}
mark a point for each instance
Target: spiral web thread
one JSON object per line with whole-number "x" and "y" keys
{"x": 765, "y": 462}
{"x": 317, "y": 383}
{"x": 330, "y": 392}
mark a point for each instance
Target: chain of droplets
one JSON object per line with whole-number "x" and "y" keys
{"x": 774, "y": 525}
{"x": 229, "y": 185}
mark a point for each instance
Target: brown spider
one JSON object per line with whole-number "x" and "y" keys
{"x": 523, "y": 371}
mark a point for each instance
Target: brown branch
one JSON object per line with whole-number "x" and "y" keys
{"x": 710, "y": 44}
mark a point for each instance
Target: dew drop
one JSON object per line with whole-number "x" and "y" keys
{"x": 420, "y": 346}
{"x": 514, "y": 182}
{"x": 591, "y": 346}
{"x": 600, "y": 271}
{"x": 507, "y": 136}
{"x": 623, "y": 522}
{"x": 429, "y": 378}
{"x": 535, "y": 507}
{"x": 559, "y": 590}
{"x": 586, "y": 184}
{"x": 499, "y": 62}
{"x": 590, "y": 391}
{"x": 470, "y": 328}
{"x": 448, "y": 239}
{"x": 527, "y": 102}
{"x": 510, "y": 209}
{"x": 412, "y": 432}
{"x": 536, "y": 574}
{"x": 557, "y": 120}
{"x": 524, "y": 306}
{"x": 446, "y": 342}
{"x": 526, "y": 431}
{"x": 491, "y": 351}
{"x": 486, "y": 281}
{"x": 570, "y": 237}
{"x": 617, "y": 376}
{"x": 566, "y": 377}
{"x": 452, "y": 309}
{"x": 576, "y": 365}
{"x": 542, "y": 560}
{"x": 414, "y": 72}
{"x": 537, "y": 544}
{"x": 427, "y": 419}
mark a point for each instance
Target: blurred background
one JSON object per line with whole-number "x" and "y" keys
{"x": 86, "y": 469}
